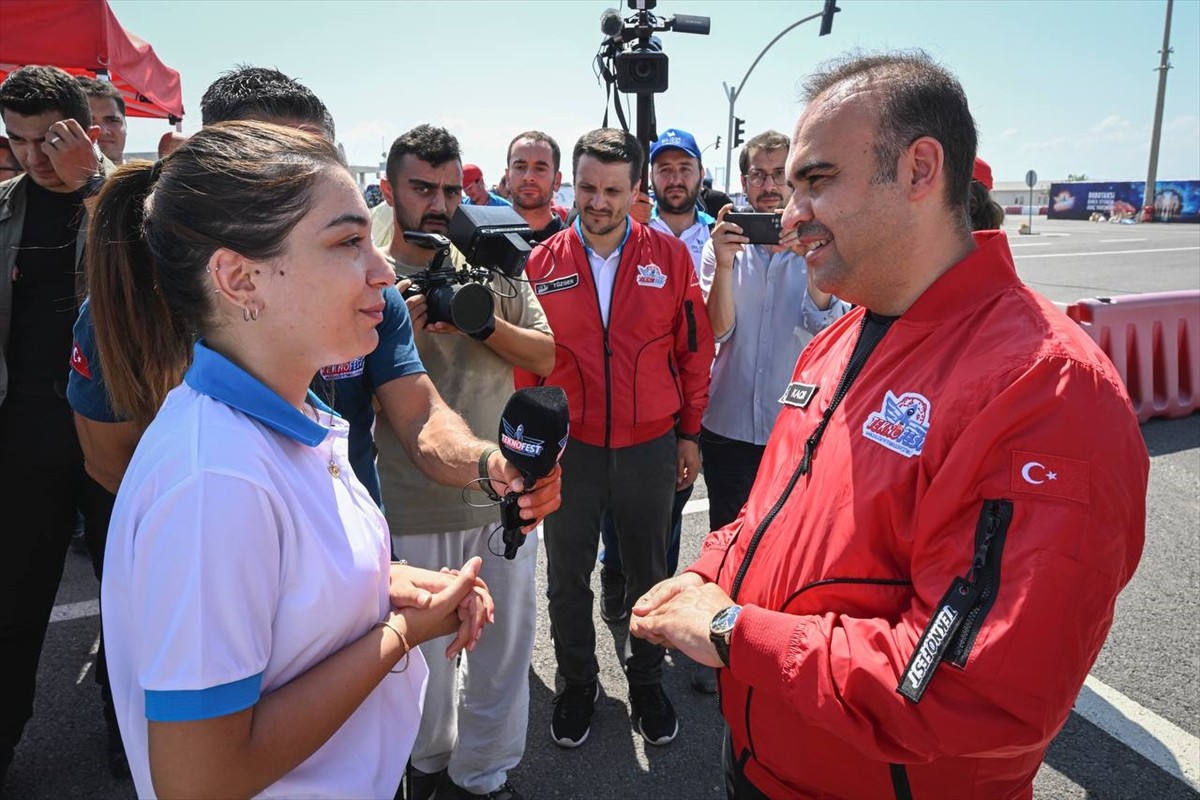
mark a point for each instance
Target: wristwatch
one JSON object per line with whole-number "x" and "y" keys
{"x": 720, "y": 630}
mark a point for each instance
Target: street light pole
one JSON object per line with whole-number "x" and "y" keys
{"x": 1156, "y": 135}
{"x": 732, "y": 92}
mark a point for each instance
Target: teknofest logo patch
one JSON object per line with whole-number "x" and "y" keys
{"x": 651, "y": 275}
{"x": 901, "y": 425}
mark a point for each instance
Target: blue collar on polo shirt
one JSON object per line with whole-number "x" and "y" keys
{"x": 620, "y": 247}
{"x": 701, "y": 215}
{"x": 216, "y": 376}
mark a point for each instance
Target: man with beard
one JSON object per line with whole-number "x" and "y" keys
{"x": 769, "y": 288}
{"x": 43, "y": 226}
{"x": 473, "y": 726}
{"x": 952, "y": 496}
{"x": 634, "y": 352}
{"x": 675, "y": 175}
{"x": 534, "y": 175}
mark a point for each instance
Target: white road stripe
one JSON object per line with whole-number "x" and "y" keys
{"x": 1110, "y": 241}
{"x": 70, "y": 611}
{"x": 1159, "y": 741}
{"x": 1107, "y": 253}
{"x": 1030, "y": 244}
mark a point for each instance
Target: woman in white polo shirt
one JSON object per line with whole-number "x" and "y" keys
{"x": 249, "y": 602}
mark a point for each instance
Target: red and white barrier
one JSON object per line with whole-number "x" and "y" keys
{"x": 1154, "y": 342}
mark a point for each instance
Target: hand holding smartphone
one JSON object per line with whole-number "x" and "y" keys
{"x": 759, "y": 228}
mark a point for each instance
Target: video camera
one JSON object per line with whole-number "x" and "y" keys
{"x": 641, "y": 68}
{"x": 631, "y": 60}
{"x": 493, "y": 240}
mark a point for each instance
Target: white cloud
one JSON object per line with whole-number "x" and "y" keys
{"x": 1112, "y": 122}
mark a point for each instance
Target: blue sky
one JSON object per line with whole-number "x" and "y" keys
{"x": 1060, "y": 86}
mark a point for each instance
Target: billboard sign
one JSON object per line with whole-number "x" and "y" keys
{"x": 1175, "y": 201}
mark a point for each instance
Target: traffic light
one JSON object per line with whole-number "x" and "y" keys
{"x": 739, "y": 131}
{"x": 827, "y": 17}
{"x": 717, "y": 146}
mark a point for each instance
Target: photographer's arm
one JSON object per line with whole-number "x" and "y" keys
{"x": 726, "y": 243}
{"x": 443, "y": 447}
{"x": 523, "y": 347}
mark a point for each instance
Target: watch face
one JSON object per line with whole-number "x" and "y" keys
{"x": 723, "y": 622}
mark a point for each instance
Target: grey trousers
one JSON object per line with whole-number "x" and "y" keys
{"x": 638, "y": 484}
{"x": 477, "y": 706}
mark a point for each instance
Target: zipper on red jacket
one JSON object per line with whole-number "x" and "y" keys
{"x": 858, "y": 359}
{"x": 607, "y": 381}
{"x": 956, "y": 619}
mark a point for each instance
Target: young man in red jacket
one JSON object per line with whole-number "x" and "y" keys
{"x": 633, "y": 353}
{"x": 950, "y": 500}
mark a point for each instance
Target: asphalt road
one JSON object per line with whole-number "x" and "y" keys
{"x": 1135, "y": 731}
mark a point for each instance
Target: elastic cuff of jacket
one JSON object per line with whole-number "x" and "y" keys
{"x": 691, "y": 437}
{"x": 763, "y": 650}
{"x": 708, "y": 564}
{"x": 688, "y": 420}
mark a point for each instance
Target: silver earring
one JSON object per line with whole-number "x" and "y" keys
{"x": 245, "y": 314}
{"x": 253, "y": 312}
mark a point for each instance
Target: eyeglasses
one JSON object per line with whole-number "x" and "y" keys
{"x": 756, "y": 177}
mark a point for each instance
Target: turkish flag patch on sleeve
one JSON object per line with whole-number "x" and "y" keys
{"x": 1051, "y": 476}
{"x": 79, "y": 361}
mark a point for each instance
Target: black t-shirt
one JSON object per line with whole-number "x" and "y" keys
{"x": 556, "y": 225}
{"x": 713, "y": 201}
{"x": 44, "y": 303}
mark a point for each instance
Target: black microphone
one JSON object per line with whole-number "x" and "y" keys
{"x": 533, "y": 435}
{"x": 611, "y": 23}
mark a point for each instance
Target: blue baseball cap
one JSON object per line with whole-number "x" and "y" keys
{"x": 674, "y": 138}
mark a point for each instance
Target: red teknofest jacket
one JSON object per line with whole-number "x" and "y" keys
{"x": 649, "y": 370}
{"x": 987, "y": 439}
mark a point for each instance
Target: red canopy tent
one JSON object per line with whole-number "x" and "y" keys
{"x": 83, "y": 37}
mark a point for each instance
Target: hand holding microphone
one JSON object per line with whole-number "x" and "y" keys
{"x": 533, "y": 435}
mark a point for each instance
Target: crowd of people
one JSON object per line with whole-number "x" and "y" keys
{"x": 286, "y": 472}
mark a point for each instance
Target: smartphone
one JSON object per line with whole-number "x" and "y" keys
{"x": 760, "y": 228}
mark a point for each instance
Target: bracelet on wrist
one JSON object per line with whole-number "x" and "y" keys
{"x": 485, "y": 478}
{"x": 403, "y": 643}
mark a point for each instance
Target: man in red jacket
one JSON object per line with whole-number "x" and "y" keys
{"x": 633, "y": 353}
{"x": 950, "y": 500}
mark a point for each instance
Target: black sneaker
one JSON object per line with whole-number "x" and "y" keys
{"x": 573, "y": 710}
{"x": 449, "y": 790}
{"x": 419, "y": 785}
{"x": 612, "y": 596}
{"x": 653, "y": 714}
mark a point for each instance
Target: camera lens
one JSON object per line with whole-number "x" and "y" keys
{"x": 643, "y": 70}
{"x": 471, "y": 307}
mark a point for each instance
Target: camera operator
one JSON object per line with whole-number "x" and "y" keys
{"x": 469, "y": 739}
{"x": 534, "y": 175}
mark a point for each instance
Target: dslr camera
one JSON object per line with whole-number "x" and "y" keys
{"x": 494, "y": 241}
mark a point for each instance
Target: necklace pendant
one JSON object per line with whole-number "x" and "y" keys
{"x": 333, "y": 469}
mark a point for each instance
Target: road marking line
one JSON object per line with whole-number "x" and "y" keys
{"x": 1110, "y": 241}
{"x": 1167, "y": 746}
{"x": 1159, "y": 741}
{"x": 1108, "y": 253}
{"x": 1030, "y": 244}
{"x": 70, "y": 611}
{"x": 1162, "y": 743}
